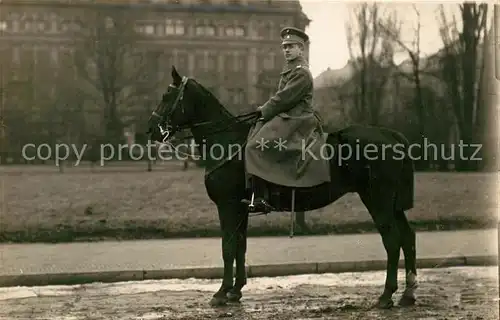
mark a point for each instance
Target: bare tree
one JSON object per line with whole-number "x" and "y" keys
{"x": 413, "y": 51}
{"x": 112, "y": 57}
{"x": 371, "y": 56}
{"x": 421, "y": 109}
{"x": 462, "y": 67}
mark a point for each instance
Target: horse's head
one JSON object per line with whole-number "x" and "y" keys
{"x": 174, "y": 112}
{"x": 188, "y": 105}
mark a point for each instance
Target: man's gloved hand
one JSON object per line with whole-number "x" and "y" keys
{"x": 259, "y": 113}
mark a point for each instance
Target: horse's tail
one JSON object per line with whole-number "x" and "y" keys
{"x": 406, "y": 193}
{"x": 407, "y": 197}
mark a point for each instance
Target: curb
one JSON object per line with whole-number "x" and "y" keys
{"x": 270, "y": 270}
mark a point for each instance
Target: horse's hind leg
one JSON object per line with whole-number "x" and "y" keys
{"x": 390, "y": 238}
{"x": 408, "y": 244}
{"x": 381, "y": 209}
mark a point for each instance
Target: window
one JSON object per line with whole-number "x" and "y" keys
{"x": 27, "y": 57}
{"x": 179, "y": 27}
{"x": 53, "y": 22}
{"x": 159, "y": 30}
{"x": 41, "y": 26}
{"x": 75, "y": 25}
{"x": 65, "y": 26}
{"x": 66, "y": 59}
{"x": 174, "y": 27}
{"x": 14, "y": 19}
{"x": 16, "y": 55}
{"x": 239, "y": 31}
{"x": 165, "y": 61}
{"x": 182, "y": 62}
{"x": 200, "y": 30}
{"x": 109, "y": 23}
{"x": 151, "y": 65}
{"x": 230, "y": 31}
{"x": 149, "y": 29}
{"x": 235, "y": 61}
{"x": 235, "y": 31}
{"x": 3, "y": 25}
{"x": 15, "y": 26}
{"x": 268, "y": 61}
{"x": 241, "y": 63}
{"x": 212, "y": 61}
{"x": 210, "y": 30}
{"x": 236, "y": 96}
{"x": 28, "y": 25}
{"x": 199, "y": 61}
{"x": 169, "y": 28}
{"x": 266, "y": 30}
{"x": 43, "y": 57}
{"x": 278, "y": 60}
{"x": 270, "y": 30}
{"x": 142, "y": 69}
{"x": 205, "y": 30}
{"x": 54, "y": 56}
{"x": 229, "y": 61}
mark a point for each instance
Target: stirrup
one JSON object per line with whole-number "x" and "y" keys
{"x": 250, "y": 203}
{"x": 267, "y": 207}
{"x": 251, "y": 206}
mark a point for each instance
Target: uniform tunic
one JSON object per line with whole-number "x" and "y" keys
{"x": 285, "y": 148}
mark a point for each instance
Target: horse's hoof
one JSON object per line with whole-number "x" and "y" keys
{"x": 234, "y": 296}
{"x": 384, "y": 304}
{"x": 407, "y": 301}
{"x": 218, "y": 301}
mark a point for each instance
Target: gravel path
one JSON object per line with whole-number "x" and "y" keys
{"x": 451, "y": 293}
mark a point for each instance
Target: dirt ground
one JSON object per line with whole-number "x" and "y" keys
{"x": 45, "y": 205}
{"x": 452, "y": 293}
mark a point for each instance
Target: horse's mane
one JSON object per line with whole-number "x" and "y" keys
{"x": 209, "y": 97}
{"x": 227, "y": 121}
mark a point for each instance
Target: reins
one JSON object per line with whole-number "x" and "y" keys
{"x": 240, "y": 119}
{"x": 244, "y": 118}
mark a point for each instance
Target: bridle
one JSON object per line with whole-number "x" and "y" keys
{"x": 167, "y": 128}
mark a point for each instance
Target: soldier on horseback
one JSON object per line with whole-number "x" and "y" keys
{"x": 288, "y": 125}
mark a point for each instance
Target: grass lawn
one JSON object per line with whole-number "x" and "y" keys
{"x": 120, "y": 202}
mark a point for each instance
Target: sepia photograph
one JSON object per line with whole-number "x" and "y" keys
{"x": 249, "y": 160}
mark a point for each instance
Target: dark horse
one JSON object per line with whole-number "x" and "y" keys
{"x": 385, "y": 187}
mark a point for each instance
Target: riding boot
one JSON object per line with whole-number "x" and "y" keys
{"x": 260, "y": 197}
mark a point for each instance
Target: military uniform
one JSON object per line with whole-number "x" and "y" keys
{"x": 275, "y": 146}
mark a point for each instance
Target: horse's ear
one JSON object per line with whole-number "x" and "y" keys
{"x": 176, "y": 77}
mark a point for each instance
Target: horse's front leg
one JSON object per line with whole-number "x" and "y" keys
{"x": 234, "y": 295}
{"x": 227, "y": 219}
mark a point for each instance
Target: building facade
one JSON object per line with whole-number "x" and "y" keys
{"x": 229, "y": 46}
